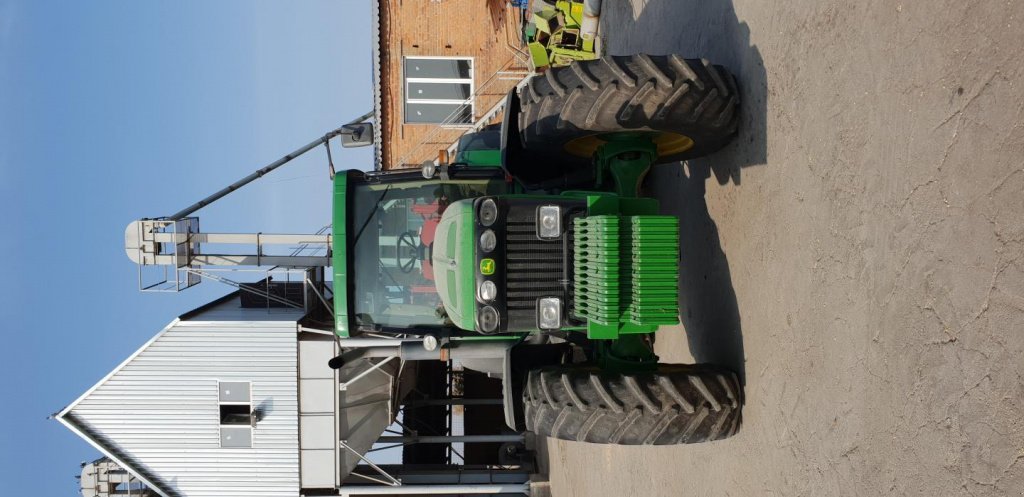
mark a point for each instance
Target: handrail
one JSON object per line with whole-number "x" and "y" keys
{"x": 446, "y": 124}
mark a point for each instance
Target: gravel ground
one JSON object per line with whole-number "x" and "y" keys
{"x": 856, "y": 252}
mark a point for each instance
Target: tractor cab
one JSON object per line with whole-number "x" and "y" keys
{"x": 392, "y": 222}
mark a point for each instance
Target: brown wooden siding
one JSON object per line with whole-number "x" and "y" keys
{"x": 484, "y": 30}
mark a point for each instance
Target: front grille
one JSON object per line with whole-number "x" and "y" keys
{"x": 534, "y": 268}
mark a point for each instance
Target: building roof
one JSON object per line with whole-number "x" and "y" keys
{"x": 105, "y": 415}
{"x": 106, "y": 446}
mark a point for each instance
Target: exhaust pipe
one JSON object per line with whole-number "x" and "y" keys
{"x": 591, "y": 15}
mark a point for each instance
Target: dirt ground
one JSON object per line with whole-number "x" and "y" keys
{"x": 856, "y": 253}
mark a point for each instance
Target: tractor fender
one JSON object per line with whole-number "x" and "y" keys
{"x": 511, "y": 141}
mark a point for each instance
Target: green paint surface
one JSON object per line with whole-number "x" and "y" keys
{"x": 339, "y": 257}
{"x": 479, "y": 157}
{"x": 453, "y": 255}
{"x": 626, "y": 273}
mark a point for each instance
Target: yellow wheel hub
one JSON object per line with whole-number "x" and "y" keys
{"x": 668, "y": 143}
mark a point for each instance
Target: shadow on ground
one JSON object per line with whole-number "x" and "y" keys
{"x": 710, "y": 30}
{"x": 707, "y": 300}
{"x": 700, "y": 29}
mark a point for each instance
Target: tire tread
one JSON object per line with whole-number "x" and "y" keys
{"x": 691, "y": 97}
{"x": 676, "y": 404}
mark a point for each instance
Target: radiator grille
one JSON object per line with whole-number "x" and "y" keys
{"x": 534, "y": 268}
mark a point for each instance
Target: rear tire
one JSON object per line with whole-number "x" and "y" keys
{"x": 657, "y": 94}
{"x": 676, "y": 404}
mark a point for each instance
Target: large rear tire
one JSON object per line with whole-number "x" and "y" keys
{"x": 676, "y": 404}
{"x": 689, "y": 106}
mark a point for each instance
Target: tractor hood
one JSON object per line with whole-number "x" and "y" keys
{"x": 453, "y": 261}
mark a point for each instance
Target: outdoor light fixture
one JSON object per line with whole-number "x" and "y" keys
{"x": 549, "y": 313}
{"x": 488, "y": 291}
{"x": 488, "y": 241}
{"x": 549, "y": 221}
{"x": 488, "y": 212}
{"x": 487, "y": 319}
{"x": 428, "y": 169}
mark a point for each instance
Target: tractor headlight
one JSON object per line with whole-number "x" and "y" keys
{"x": 487, "y": 319}
{"x": 488, "y": 241}
{"x": 488, "y": 291}
{"x": 488, "y": 212}
{"x": 549, "y": 221}
{"x": 549, "y": 313}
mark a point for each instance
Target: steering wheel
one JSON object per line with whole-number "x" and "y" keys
{"x": 412, "y": 248}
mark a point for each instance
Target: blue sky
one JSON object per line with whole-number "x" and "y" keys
{"x": 115, "y": 110}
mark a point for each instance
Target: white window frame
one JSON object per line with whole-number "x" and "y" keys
{"x": 220, "y": 425}
{"x": 472, "y": 90}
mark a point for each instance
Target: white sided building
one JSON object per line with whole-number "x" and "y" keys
{"x": 236, "y": 398}
{"x": 226, "y": 401}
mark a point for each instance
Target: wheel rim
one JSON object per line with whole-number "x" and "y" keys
{"x": 668, "y": 143}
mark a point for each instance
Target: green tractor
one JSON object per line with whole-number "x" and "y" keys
{"x": 536, "y": 260}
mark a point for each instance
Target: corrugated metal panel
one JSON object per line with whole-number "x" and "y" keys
{"x": 159, "y": 411}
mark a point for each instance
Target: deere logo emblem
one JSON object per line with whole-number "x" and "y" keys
{"x": 487, "y": 267}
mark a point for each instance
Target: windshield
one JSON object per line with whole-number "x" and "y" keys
{"x": 396, "y": 224}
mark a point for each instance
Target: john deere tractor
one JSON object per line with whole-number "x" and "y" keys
{"x": 549, "y": 270}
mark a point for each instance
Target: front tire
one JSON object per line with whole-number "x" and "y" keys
{"x": 689, "y": 106}
{"x": 673, "y": 405}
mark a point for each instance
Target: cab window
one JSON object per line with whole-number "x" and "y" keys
{"x": 392, "y": 231}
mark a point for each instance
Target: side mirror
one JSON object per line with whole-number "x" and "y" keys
{"x": 357, "y": 135}
{"x": 429, "y": 169}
